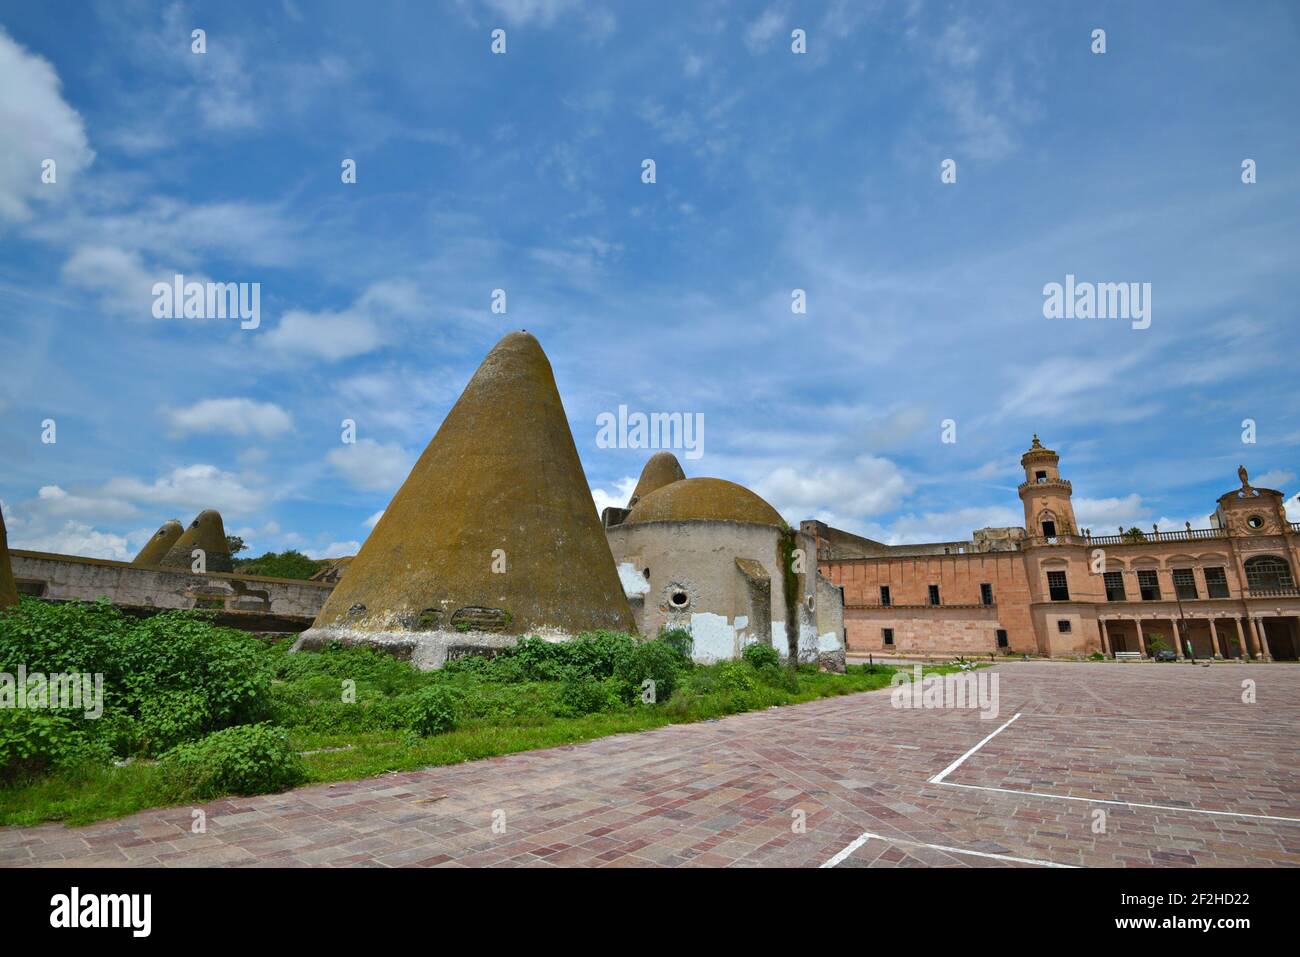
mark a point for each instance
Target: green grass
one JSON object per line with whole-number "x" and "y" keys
{"x": 517, "y": 702}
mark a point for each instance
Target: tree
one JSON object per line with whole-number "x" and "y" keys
{"x": 235, "y": 544}
{"x": 1134, "y": 534}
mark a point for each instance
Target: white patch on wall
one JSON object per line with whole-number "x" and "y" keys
{"x": 714, "y": 638}
{"x": 633, "y": 581}
{"x": 828, "y": 642}
{"x": 779, "y": 641}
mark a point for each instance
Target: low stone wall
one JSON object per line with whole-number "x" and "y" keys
{"x": 249, "y": 602}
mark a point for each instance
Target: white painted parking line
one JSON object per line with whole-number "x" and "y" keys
{"x": 938, "y": 778}
{"x": 868, "y": 836}
{"x": 1152, "y": 807}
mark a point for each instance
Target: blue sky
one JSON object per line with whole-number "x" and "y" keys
{"x": 522, "y": 171}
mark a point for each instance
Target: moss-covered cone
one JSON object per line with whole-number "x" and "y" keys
{"x": 8, "y": 590}
{"x": 662, "y": 469}
{"x": 494, "y": 529}
{"x": 208, "y": 533}
{"x": 157, "y": 547}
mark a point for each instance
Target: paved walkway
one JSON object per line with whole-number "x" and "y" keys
{"x": 1105, "y": 765}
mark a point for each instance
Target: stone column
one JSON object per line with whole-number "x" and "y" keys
{"x": 1243, "y": 650}
{"x": 1214, "y": 638}
{"x": 1252, "y": 650}
{"x": 1262, "y": 636}
{"x": 1142, "y": 642}
{"x": 1178, "y": 638}
{"x": 1105, "y": 638}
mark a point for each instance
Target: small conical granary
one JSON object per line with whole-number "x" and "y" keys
{"x": 8, "y": 590}
{"x": 208, "y": 533}
{"x": 493, "y": 534}
{"x": 157, "y": 547}
{"x": 662, "y": 469}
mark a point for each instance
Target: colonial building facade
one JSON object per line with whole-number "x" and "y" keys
{"x": 1053, "y": 589}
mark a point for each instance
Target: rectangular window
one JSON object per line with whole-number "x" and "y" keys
{"x": 1057, "y": 587}
{"x": 884, "y": 596}
{"x": 1114, "y": 586}
{"x": 1002, "y": 637}
{"x": 1216, "y": 581}
{"x": 1063, "y": 626}
{"x": 1149, "y": 584}
{"x": 934, "y": 594}
{"x": 1040, "y": 477}
{"x": 1049, "y": 529}
{"x": 888, "y": 634}
{"x": 986, "y": 593}
{"x": 1185, "y": 583}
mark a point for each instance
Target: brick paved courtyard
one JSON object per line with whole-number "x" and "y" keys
{"x": 1185, "y": 772}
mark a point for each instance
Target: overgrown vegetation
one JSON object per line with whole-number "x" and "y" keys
{"x": 192, "y": 711}
{"x": 290, "y": 564}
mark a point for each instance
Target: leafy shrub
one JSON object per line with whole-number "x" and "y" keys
{"x": 656, "y": 660}
{"x": 775, "y": 676}
{"x": 170, "y": 718}
{"x": 678, "y": 638}
{"x": 166, "y": 679}
{"x": 249, "y": 759}
{"x": 758, "y": 655}
{"x": 290, "y": 564}
{"x": 581, "y": 696}
{"x": 33, "y": 742}
{"x": 731, "y": 677}
{"x": 431, "y": 710}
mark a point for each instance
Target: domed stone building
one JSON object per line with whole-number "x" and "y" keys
{"x": 713, "y": 557}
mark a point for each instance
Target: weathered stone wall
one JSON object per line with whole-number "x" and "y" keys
{"x": 249, "y": 601}
{"x": 696, "y": 583}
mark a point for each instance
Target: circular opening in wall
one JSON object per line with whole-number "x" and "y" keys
{"x": 679, "y": 599}
{"x": 1255, "y": 521}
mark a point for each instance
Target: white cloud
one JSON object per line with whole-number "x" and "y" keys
{"x": 192, "y": 488}
{"x": 1274, "y": 478}
{"x": 118, "y": 276}
{"x": 55, "y": 501}
{"x": 623, "y": 489}
{"x": 867, "y": 486}
{"x": 954, "y": 525}
{"x": 36, "y": 124}
{"x": 520, "y": 12}
{"x": 373, "y": 466}
{"x": 334, "y": 550}
{"x": 335, "y": 335}
{"x": 762, "y": 30}
{"x": 1105, "y": 515}
{"x": 373, "y": 520}
{"x": 76, "y": 538}
{"x": 236, "y": 416}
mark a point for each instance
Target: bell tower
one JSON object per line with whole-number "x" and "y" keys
{"x": 1046, "y": 496}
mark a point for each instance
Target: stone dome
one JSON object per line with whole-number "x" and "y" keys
{"x": 703, "y": 500}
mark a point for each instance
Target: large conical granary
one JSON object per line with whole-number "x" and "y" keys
{"x": 493, "y": 534}
{"x": 8, "y": 590}
{"x": 157, "y": 547}
{"x": 208, "y": 533}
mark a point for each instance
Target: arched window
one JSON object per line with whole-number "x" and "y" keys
{"x": 1047, "y": 522}
{"x": 1268, "y": 571}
